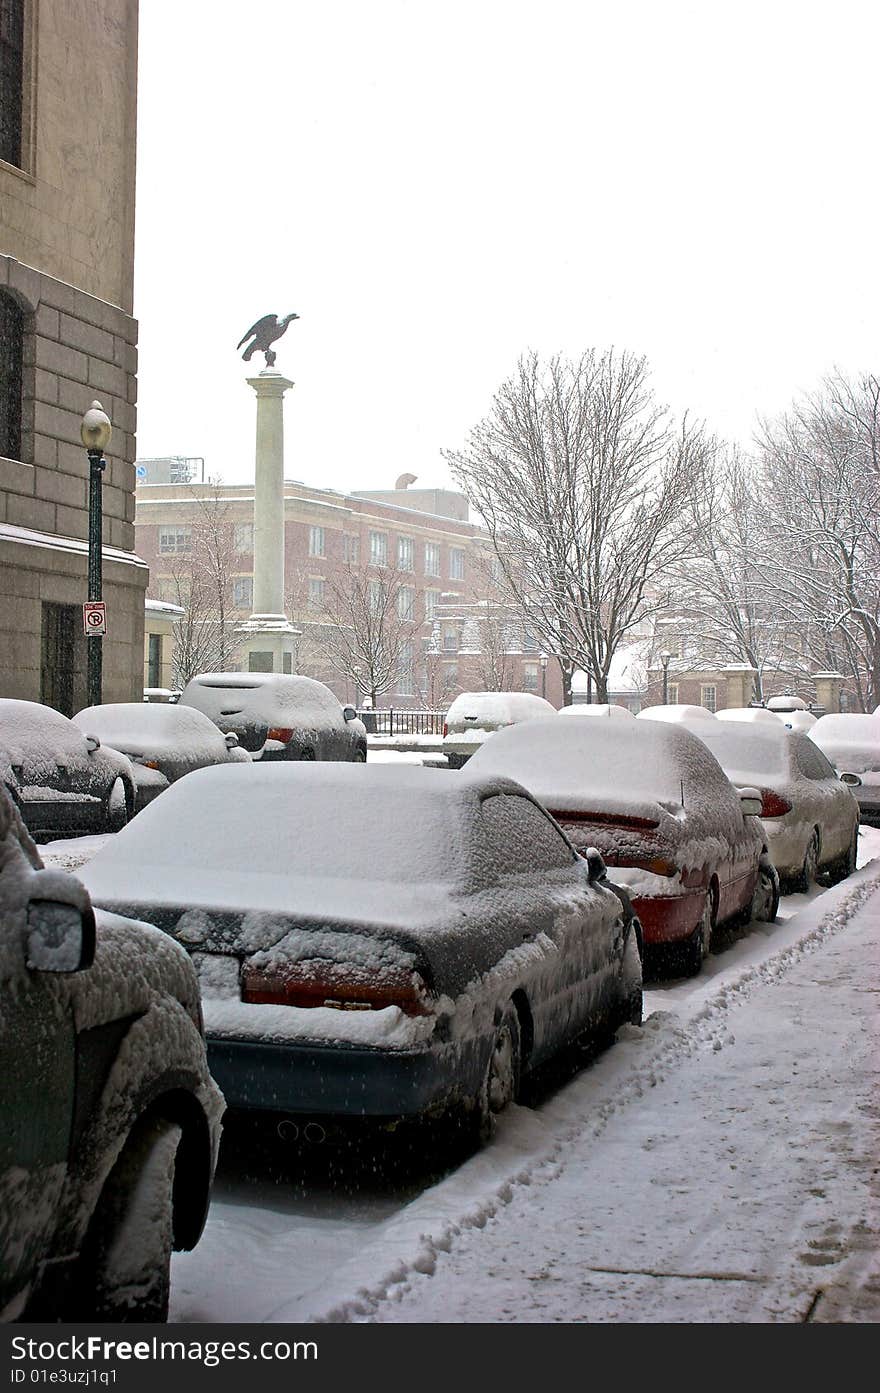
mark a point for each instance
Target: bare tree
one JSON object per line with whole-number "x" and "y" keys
{"x": 821, "y": 470}
{"x": 370, "y": 618}
{"x": 720, "y": 607}
{"x": 200, "y": 581}
{"x": 581, "y": 480}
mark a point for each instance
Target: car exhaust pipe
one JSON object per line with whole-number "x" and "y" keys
{"x": 288, "y": 1130}
{"x": 314, "y": 1133}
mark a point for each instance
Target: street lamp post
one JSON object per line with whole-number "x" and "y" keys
{"x": 95, "y": 431}
{"x": 543, "y": 661}
{"x": 664, "y": 658}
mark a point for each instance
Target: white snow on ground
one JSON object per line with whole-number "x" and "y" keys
{"x": 712, "y": 1166}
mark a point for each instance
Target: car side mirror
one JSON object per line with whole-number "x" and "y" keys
{"x": 231, "y": 740}
{"x": 853, "y": 780}
{"x": 595, "y": 864}
{"x": 92, "y": 743}
{"x": 750, "y": 802}
{"x": 60, "y": 937}
{"x": 349, "y": 713}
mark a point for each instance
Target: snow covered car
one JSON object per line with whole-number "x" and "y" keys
{"x": 279, "y": 715}
{"x": 748, "y": 715}
{"x": 381, "y": 943}
{"x": 810, "y": 818}
{"x": 474, "y": 715}
{"x": 851, "y": 741}
{"x": 163, "y": 742}
{"x": 61, "y": 779}
{"x": 111, "y": 1121}
{"x": 667, "y": 821}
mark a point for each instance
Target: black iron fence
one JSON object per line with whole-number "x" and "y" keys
{"x": 392, "y": 722}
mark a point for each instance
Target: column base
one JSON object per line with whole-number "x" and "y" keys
{"x": 267, "y": 643}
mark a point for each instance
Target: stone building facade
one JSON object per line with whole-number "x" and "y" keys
{"x": 67, "y": 337}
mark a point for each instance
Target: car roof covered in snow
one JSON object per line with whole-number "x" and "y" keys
{"x": 599, "y": 708}
{"x": 132, "y": 726}
{"x": 567, "y": 764}
{"x": 748, "y": 715}
{"x": 279, "y": 698}
{"x": 499, "y": 708}
{"x": 676, "y": 713}
{"x": 27, "y": 728}
{"x": 238, "y": 835}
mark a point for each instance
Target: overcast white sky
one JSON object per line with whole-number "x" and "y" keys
{"x": 435, "y": 188}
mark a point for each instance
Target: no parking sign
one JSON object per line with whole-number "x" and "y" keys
{"x": 95, "y": 619}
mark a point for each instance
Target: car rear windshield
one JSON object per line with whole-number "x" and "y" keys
{"x": 391, "y": 834}
{"x": 745, "y": 748}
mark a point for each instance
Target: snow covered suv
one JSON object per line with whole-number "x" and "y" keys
{"x": 111, "y": 1121}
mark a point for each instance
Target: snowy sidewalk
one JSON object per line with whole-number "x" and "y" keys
{"x": 728, "y": 1169}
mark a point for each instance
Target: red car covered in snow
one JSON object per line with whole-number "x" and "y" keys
{"x": 674, "y": 832}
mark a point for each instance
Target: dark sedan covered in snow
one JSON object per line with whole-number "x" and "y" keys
{"x": 61, "y": 779}
{"x": 278, "y": 715}
{"x": 672, "y": 829}
{"x": 378, "y": 942}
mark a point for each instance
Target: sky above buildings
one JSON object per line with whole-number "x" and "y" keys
{"x": 436, "y": 189}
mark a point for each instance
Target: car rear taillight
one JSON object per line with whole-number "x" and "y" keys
{"x": 570, "y": 819}
{"x": 657, "y": 865}
{"x": 309, "y": 985}
{"x": 773, "y": 804}
{"x": 282, "y": 733}
{"x": 445, "y": 730}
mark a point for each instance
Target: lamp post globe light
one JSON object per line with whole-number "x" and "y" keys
{"x": 95, "y": 431}
{"x": 664, "y": 658}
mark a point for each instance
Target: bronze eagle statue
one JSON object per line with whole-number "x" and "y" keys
{"x": 264, "y": 333}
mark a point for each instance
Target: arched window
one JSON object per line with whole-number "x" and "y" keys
{"x": 12, "y": 73}
{"x": 11, "y": 346}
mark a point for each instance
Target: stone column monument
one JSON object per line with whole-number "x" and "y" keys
{"x": 268, "y": 639}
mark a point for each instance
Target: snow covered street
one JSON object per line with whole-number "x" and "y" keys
{"x": 714, "y": 1166}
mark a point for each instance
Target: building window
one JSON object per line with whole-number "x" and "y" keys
{"x": 529, "y": 642}
{"x": 672, "y": 694}
{"x": 432, "y": 559}
{"x": 12, "y": 86}
{"x": 708, "y": 697}
{"x": 316, "y": 592}
{"x": 405, "y": 670}
{"x": 350, "y": 548}
{"x": 243, "y": 592}
{"x": 375, "y": 595}
{"x": 432, "y": 600}
{"x": 456, "y": 563}
{"x": 530, "y": 677}
{"x": 450, "y": 639}
{"x": 405, "y": 553}
{"x": 378, "y": 549}
{"x": 406, "y": 603}
{"x": 173, "y": 540}
{"x": 244, "y": 538}
{"x": 316, "y": 541}
{"x": 11, "y": 351}
{"x": 450, "y": 677}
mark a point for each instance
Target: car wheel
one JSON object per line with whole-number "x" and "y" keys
{"x": 803, "y": 882}
{"x": 116, "y": 808}
{"x": 631, "y": 983}
{"x": 765, "y": 897}
{"x": 501, "y": 1084}
{"x": 360, "y": 757}
{"x": 846, "y": 864}
{"x": 696, "y": 948}
{"x": 126, "y": 1263}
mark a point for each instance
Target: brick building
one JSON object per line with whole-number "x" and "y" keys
{"x": 422, "y": 536}
{"x": 67, "y": 171}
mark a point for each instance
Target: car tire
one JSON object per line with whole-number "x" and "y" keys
{"x": 846, "y": 864}
{"x": 359, "y": 757}
{"x": 808, "y": 872}
{"x": 696, "y": 949}
{"x": 125, "y": 1269}
{"x": 765, "y": 896}
{"x": 503, "y": 1072}
{"x": 118, "y": 807}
